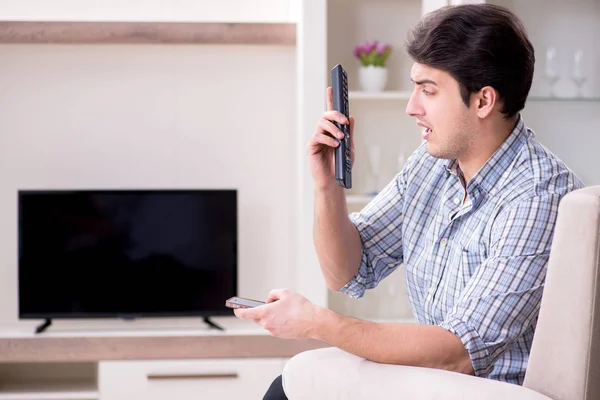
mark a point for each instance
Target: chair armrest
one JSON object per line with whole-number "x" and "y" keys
{"x": 331, "y": 373}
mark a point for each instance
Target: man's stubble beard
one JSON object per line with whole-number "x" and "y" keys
{"x": 454, "y": 147}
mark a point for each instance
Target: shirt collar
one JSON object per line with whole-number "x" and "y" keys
{"x": 490, "y": 173}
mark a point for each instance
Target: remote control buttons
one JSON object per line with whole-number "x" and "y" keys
{"x": 345, "y": 92}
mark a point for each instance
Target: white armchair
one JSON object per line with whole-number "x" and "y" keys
{"x": 564, "y": 362}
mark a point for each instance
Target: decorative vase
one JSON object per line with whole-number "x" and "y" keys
{"x": 372, "y": 78}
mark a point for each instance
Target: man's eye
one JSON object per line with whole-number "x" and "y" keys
{"x": 427, "y": 93}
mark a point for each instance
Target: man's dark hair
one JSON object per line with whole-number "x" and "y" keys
{"x": 479, "y": 45}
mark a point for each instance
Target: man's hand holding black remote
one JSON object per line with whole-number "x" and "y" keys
{"x": 322, "y": 145}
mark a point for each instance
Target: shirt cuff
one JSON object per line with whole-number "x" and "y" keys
{"x": 355, "y": 287}
{"x": 478, "y": 352}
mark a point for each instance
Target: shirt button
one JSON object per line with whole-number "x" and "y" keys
{"x": 457, "y": 201}
{"x": 431, "y": 290}
{"x": 443, "y": 242}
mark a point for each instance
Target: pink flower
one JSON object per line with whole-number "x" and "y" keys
{"x": 372, "y": 53}
{"x": 382, "y": 48}
{"x": 370, "y": 46}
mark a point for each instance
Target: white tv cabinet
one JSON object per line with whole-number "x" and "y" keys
{"x": 152, "y": 364}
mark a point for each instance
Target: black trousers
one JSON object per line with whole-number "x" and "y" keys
{"x": 275, "y": 391}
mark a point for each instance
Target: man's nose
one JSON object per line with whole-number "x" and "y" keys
{"x": 414, "y": 108}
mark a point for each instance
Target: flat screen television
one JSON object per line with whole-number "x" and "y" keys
{"x": 126, "y": 253}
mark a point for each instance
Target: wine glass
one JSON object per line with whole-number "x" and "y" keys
{"x": 551, "y": 72}
{"x": 577, "y": 75}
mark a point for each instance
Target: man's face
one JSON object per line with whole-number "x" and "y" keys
{"x": 448, "y": 125}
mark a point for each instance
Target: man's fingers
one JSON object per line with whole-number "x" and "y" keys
{"x": 272, "y": 297}
{"x": 276, "y": 294}
{"x": 332, "y": 115}
{"x": 314, "y": 146}
{"x": 329, "y": 97}
{"x": 248, "y": 313}
{"x": 329, "y": 127}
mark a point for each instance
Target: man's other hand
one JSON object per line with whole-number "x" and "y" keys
{"x": 287, "y": 315}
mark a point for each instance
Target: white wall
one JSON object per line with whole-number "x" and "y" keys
{"x": 569, "y": 130}
{"x": 149, "y": 10}
{"x": 143, "y": 116}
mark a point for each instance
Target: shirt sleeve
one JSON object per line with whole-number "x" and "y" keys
{"x": 502, "y": 298}
{"x": 379, "y": 226}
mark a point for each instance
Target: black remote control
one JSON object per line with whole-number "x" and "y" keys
{"x": 343, "y": 156}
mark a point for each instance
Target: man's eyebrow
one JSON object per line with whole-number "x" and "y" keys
{"x": 423, "y": 81}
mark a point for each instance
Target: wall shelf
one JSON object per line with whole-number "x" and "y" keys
{"x": 563, "y": 99}
{"x": 81, "y": 32}
{"x": 385, "y": 95}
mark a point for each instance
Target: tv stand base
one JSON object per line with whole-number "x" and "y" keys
{"x": 48, "y": 321}
{"x": 43, "y": 326}
{"x": 212, "y": 324}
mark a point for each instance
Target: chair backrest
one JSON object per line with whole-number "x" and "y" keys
{"x": 564, "y": 362}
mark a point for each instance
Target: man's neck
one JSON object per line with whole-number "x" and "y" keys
{"x": 492, "y": 138}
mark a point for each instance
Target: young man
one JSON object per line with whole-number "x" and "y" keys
{"x": 471, "y": 215}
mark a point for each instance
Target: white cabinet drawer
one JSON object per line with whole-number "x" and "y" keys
{"x": 188, "y": 379}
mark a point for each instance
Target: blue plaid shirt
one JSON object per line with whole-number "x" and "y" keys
{"x": 476, "y": 269}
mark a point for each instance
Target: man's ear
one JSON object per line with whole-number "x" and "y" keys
{"x": 485, "y": 100}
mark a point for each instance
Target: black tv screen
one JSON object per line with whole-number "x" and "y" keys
{"x": 126, "y": 253}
